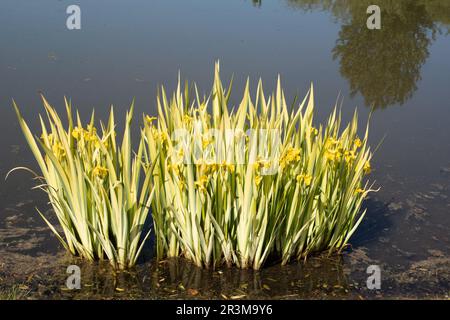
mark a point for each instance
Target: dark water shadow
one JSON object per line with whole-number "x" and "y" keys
{"x": 147, "y": 253}
{"x": 374, "y": 225}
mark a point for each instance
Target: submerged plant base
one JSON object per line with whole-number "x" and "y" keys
{"x": 319, "y": 277}
{"x": 236, "y": 187}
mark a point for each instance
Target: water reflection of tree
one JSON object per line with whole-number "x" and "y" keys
{"x": 257, "y": 3}
{"x": 383, "y": 65}
{"x": 437, "y": 10}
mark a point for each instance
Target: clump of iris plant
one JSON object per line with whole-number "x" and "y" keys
{"x": 225, "y": 185}
{"x": 237, "y": 186}
{"x": 100, "y": 191}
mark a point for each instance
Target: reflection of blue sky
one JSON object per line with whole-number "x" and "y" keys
{"x": 121, "y": 42}
{"x": 127, "y": 48}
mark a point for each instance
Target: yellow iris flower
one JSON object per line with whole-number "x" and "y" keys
{"x": 289, "y": 156}
{"x": 58, "y": 150}
{"x": 304, "y": 178}
{"x": 100, "y": 172}
{"x": 201, "y": 183}
{"x": 150, "y": 119}
{"x": 358, "y": 143}
{"x": 313, "y": 131}
{"x": 367, "y": 168}
{"x": 77, "y": 132}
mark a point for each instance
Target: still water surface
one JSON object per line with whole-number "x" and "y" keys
{"x": 125, "y": 49}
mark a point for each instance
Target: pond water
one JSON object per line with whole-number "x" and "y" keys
{"x": 125, "y": 49}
